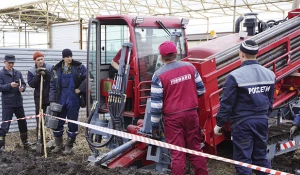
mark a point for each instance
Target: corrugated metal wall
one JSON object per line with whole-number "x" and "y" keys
{"x": 23, "y": 63}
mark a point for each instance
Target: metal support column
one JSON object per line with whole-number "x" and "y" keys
{"x": 3, "y": 39}
{"x": 28, "y": 41}
{"x": 19, "y": 29}
{"x": 25, "y": 36}
{"x": 170, "y": 8}
{"x": 207, "y": 28}
{"x": 48, "y": 28}
{"x": 80, "y": 34}
{"x": 295, "y": 4}
{"x": 234, "y": 12}
{"x": 121, "y": 7}
{"x": 80, "y": 26}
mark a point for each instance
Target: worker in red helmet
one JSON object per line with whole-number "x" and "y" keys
{"x": 170, "y": 98}
{"x": 247, "y": 101}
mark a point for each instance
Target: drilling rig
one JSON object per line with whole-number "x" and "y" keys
{"x": 122, "y": 103}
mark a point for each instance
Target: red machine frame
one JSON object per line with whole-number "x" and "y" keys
{"x": 209, "y": 103}
{"x": 287, "y": 84}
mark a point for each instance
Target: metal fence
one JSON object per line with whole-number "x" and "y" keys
{"x": 24, "y": 61}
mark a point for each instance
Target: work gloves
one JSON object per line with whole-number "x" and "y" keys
{"x": 217, "y": 130}
{"x": 40, "y": 71}
{"x": 156, "y": 133}
{"x": 44, "y": 72}
{"x": 292, "y": 130}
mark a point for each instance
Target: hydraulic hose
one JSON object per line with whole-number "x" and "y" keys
{"x": 89, "y": 136}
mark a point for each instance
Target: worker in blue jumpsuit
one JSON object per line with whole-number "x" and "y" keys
{"x": 11, "y": 86}
{"x": 247, "y": 100}
{"x": 67, "y": 84}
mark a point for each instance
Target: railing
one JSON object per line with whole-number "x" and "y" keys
{"x": 144, "y": 92}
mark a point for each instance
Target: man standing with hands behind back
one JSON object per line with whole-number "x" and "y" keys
{"x": 12, "y": 100}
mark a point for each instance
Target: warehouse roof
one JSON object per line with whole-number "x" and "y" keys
{"x": 36, "y": 14}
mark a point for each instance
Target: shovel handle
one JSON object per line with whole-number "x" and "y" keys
{"x": 41, "y": 118}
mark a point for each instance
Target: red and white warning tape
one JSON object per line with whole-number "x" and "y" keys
{"x": 287, "y": 145}
{"x": 170, "y": 146}
{"x": 167, "y": 145}
{"x": 24, "y": 118}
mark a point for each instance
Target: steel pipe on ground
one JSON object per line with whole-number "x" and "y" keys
{"x": 113, "y": 153}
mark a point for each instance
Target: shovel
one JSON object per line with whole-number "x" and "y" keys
{"x": 39, "y": 145}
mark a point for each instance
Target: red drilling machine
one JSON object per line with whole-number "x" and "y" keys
{"x": 122, "y": 102}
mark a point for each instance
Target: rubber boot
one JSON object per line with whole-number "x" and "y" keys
{"x": 58, "y": 144}
{"x": 69, "y": 145}
{"x": 24, "y": 139}
{"x": 33, "y": 147}
{"x": 2, "y": 144}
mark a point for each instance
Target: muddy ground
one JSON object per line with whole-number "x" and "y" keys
{"x": 16, "y": 161}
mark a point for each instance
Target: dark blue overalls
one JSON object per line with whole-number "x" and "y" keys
{"x": 71, "y": 105}
{"x": 247, "y": 101}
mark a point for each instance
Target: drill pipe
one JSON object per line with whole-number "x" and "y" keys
{"x": 295, "y": 57}
{"x": 113, "y": 153}
{"x": 264, "y": 40}
{"x": 234, "y": 56}
{"x": 270, "y": 32}
{"x": 295, "y": 39}
{"x": 269, "y": 56}
{"x": 264, "y": 56}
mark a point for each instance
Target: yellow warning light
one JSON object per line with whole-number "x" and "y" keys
{"x": 213, "y": 33}
{"x": 277, "y": 91}
{"x": 292, "y": 88}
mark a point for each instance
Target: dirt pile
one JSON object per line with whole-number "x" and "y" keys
{"x": 280, "y": 132}
{"x": 16, "y": 161}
